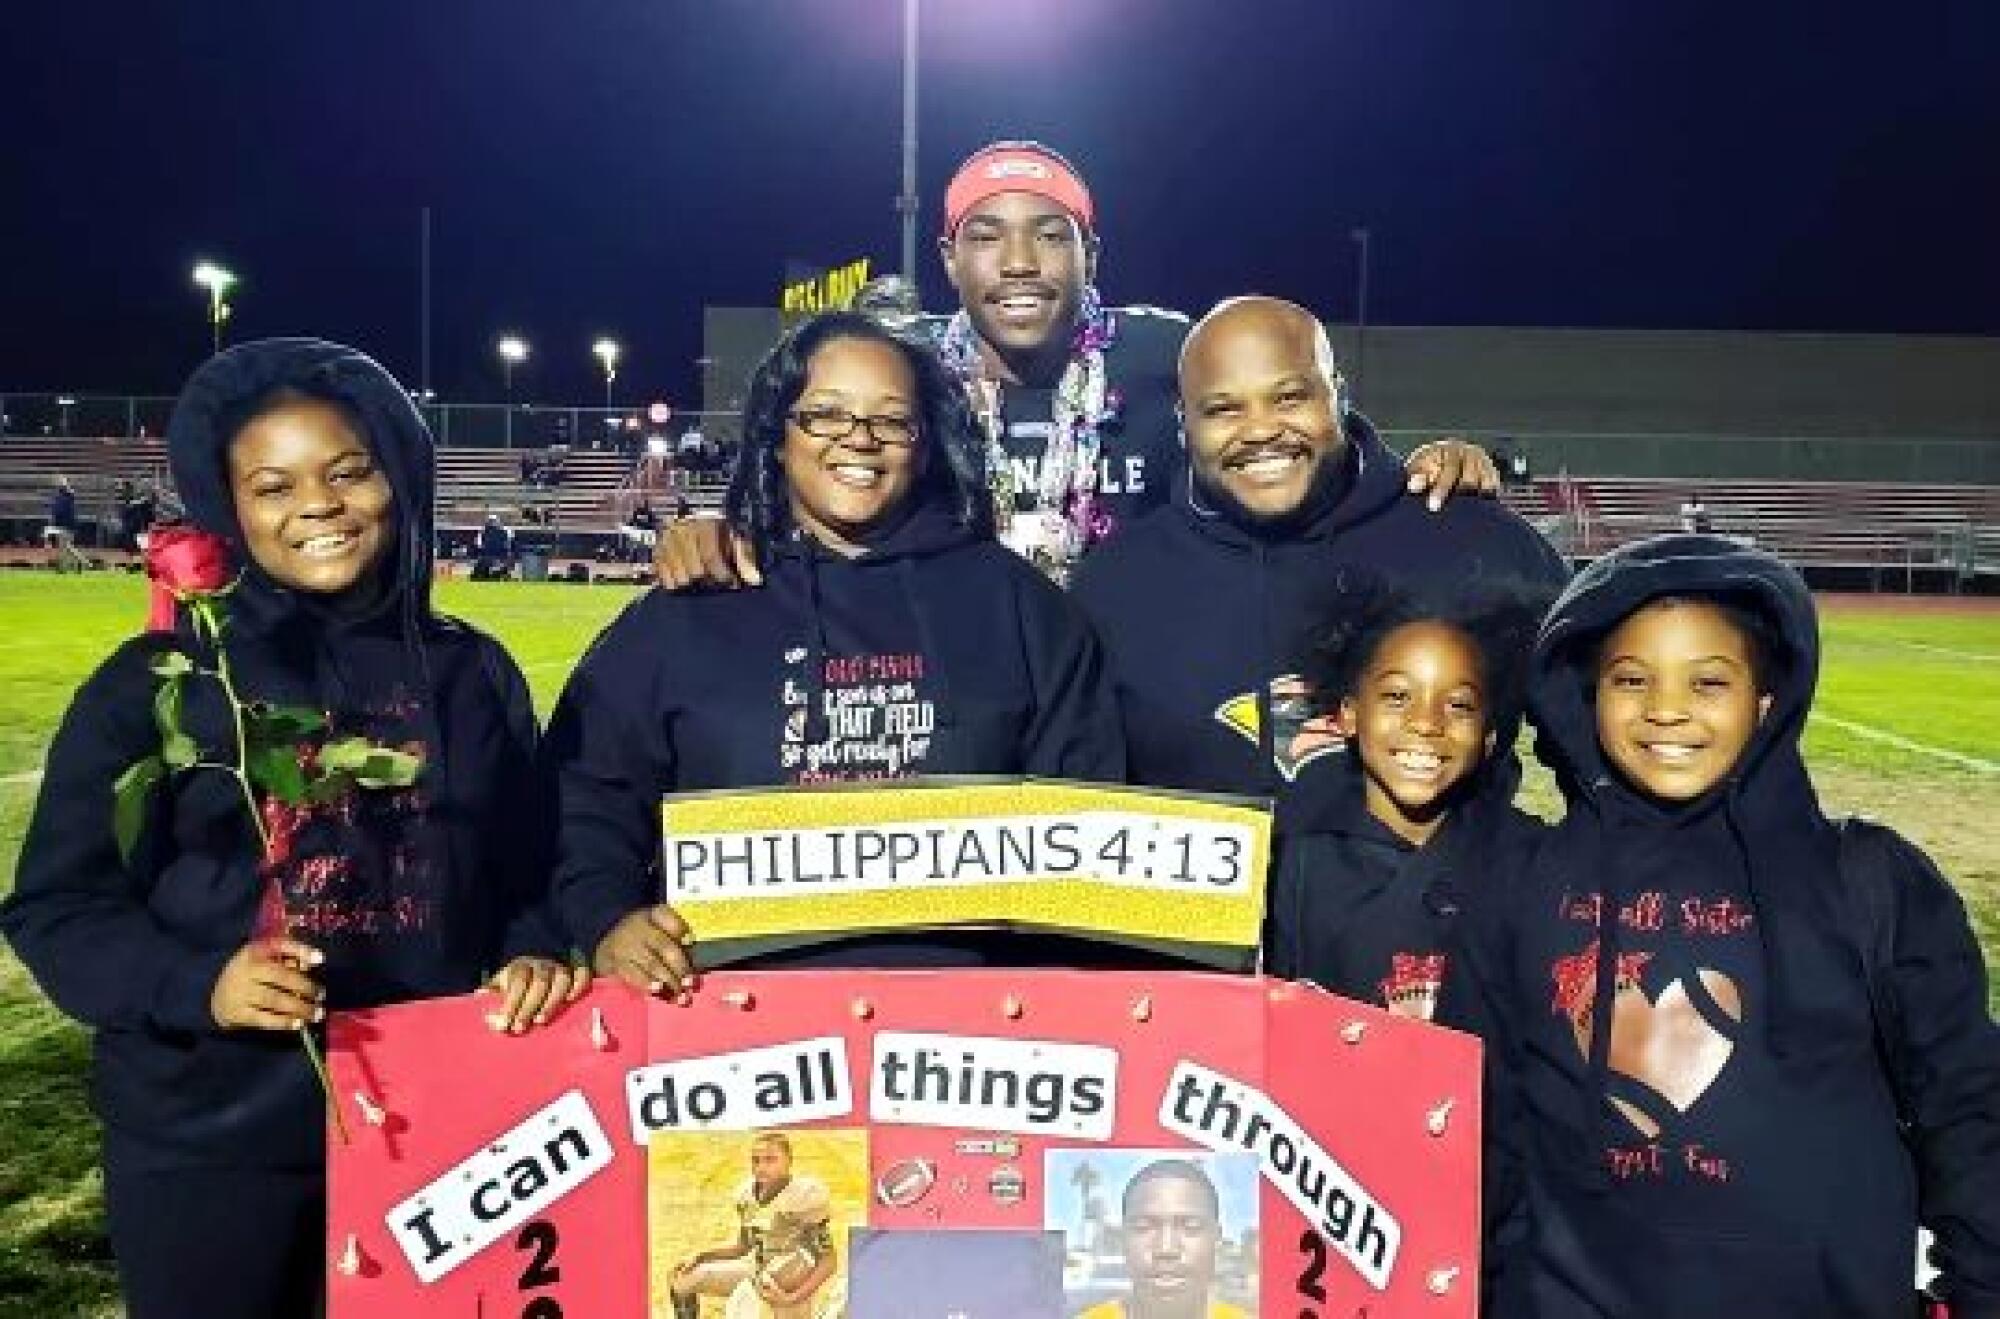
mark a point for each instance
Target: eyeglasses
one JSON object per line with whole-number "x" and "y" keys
{"x": 838, "y": 424}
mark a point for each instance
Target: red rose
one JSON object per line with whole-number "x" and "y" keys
{"x": 184, "y": 561}
{"x": 188, "y": 561}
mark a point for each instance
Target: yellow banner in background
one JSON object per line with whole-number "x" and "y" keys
{"x": 826, "y": 290}
{"x": 1094, "y": 860}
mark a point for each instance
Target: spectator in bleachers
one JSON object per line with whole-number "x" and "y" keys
{"x": 637, "y": 534}
{"x": 495, "y": 561}
{"x": 1695, "y": 517}
{"x": 693, "y": 451}
{"x": 136, "y": 511}
{"x": 60, "y": 533}
{"x": 1511, "y": 457}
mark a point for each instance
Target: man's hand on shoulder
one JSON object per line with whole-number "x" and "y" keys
{"x": 702, "y": 553}
{"x": 1448, "y": 466}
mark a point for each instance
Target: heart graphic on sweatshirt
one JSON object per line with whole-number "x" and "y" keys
{"x": 1671, "y": 1043}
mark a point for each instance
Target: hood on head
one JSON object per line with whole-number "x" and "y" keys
{"x": 1562, "y": 676}
{"x": 218, "y": 400}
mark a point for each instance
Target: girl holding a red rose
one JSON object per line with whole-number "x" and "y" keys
{"x": 197, "y": 938}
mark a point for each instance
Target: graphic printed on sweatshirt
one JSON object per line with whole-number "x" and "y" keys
{"x": 874, "y": 720}
{"x": 1121, "y": 475}
{"x": 1672, "y": 1035}
{"x": 1411, "y": 987}
{"x": 317, "y": 849}
{"x": 1301, "y": 733}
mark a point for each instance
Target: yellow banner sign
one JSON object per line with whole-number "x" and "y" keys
{"x": 828, "y": 290}
{"x": 1123, "y": 864}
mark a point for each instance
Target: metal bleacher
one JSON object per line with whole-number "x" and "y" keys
{"x": 594, "y": 494}
{"x": 1882, "y": 535}
{"x": 1870, "y": 535}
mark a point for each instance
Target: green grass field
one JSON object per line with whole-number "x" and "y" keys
{"x": 1909, "y": 732}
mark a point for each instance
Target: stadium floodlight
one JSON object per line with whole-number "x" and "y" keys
{"x": 607, "y": 351}
{"x": 218, "y": 282}
{"x": 513, "y": 351}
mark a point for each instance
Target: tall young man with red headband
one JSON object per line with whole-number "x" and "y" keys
{"x": 1077, "y": 399}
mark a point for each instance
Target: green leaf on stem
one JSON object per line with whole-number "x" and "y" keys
{"x": 346, "y": 753}
{"x": 329, "y": 788}
{"x": 388, "y": 769}
{"x": 281, "y": 723}
{"x": 276, "y": 770}
{"x": 176, "y": 747}
{"x": 131, "y": 795}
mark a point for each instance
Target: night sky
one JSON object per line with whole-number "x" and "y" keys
{"x": 613, "y": 165}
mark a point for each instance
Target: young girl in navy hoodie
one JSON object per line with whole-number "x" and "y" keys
{"x": 1738, "y": 1052}
{"x": 894, "y": 636}
{"x": 1426, "y": 683}
{"x": 307, "y": 458}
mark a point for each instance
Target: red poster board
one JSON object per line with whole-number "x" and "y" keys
{"x": 493, "y": 1175}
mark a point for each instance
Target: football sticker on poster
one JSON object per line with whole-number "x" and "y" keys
{"x": 1155, "y": 1232}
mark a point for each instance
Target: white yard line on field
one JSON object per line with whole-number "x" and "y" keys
{"x": 17, "y": 780}
{"x": 1976, "y": 656}
{"x": 1888, "y": 738}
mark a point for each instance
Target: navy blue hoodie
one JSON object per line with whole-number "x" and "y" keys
{"x": 1732, "y": 1145}
{"x": 1203, "y": 612}
{"x": 409, "y": 893}
{"x": 1359, "y": 910}
{"x": 934, "y": 652}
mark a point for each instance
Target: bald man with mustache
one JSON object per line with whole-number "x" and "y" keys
{"x": 1204, "y": 606}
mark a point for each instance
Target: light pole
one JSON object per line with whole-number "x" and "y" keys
{"x": 513, "y": 351}
{"x": 218, "y": 282}
{"x": 1360, "y": 237}
{"x": 607, "y": 353}
{"x": 906, "y": 201}
{"x": 704, "y": 365}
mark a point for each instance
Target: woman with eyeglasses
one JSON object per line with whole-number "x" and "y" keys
{"x": 895, "y": 636}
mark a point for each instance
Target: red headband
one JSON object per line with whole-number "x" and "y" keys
{"x": 1016, "y": 168}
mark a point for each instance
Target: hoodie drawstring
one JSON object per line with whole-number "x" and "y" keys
{"x": 934, "y": 665}
{"x": 1603, "y": 1012}
{"x": 816, "y": 719}
{"x": 1777, "y": 1015}
{"x": 1267, "y": 672}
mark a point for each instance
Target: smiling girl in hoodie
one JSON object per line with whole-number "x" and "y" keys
{"x": 309, "y": 461}
{"x": 1425, "y": 689}
{"x": 1738, "y": 1053}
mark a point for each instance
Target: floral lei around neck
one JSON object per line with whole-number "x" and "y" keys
{"x": 1073, "y": 516}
